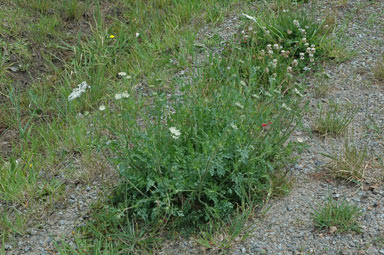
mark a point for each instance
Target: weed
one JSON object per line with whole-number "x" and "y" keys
{"x": 379, "y": 69}
{"x": 351, "y": 164}
{"x": 332, "y": 120}
{"x": 337, "y": 216}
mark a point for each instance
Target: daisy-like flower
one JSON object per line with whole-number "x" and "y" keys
{"x": 122, "y": 95}
{"x": 102, "y": 107}
{"x": 76, "y": 92}
{"x": 174, "y": 132}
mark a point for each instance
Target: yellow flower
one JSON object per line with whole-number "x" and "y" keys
{"x": 111, "y": 36}
{"x": 30, "y": 165}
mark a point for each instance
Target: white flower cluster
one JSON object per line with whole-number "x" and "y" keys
{"x": 122, "y": 95}
{"x": 174, "y": 132}
{"x": 76, "y": 92}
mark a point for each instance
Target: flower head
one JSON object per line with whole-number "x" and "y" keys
{"x": 122, "y": 95}
{"x": 76, "y": 92}
{"x": 111, "y": 36}
{"x": 174, "y": 132}
{"x": 102, "y": 107}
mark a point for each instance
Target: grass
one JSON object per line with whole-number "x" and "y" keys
{"x": 378, "y": 71}
{"x": 334, "y": 119}
{"x": 337, "y": 216}
{"x": 351, "y": 164}
{"x": 170, "y": 181}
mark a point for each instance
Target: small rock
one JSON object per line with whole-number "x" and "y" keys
{"x": 332, "y": 229}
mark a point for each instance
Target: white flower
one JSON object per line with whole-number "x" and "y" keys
{"x": 137, "y": 35}
{"x": 234, "y": 126}
{"x": 274, "y": 61}
{"x": 313, "y": 46}
{"x": 239, "y": 105}
{"x": 289, "y": 69}
{"x": 304, "y": 40}
{"x": 305, "y": 68}
{"x": 262, "y": 52}
{"x": 102, "y": 107}
{"x": 122, "y": 95}
{"x": 269, "y": 47}
{"x": 289, "y": 32}
{"x": 267, "y": 70}
{"x": 312, "y": 60}
{"x": 270, "y": 52}
{"x": 283, "y": 52}
{"x": 296, "y": 23}
{"x": 313, "y": 50}
{"x": 295, "y": 62}
{"x": 175, "y": 132}
{"x": 308, "y": 50}
{"x": 310, "y": 55}
{"x": 122, "y": 74}
{"x": 276, "y": 46}
{"x": 76, "y": 92}
{"x": 306, "y": 44}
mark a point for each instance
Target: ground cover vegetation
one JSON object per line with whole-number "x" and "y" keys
{"x": 98, "y": 81}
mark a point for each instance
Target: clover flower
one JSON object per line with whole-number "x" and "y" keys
{"x": 262, "y": 52}
{"x": 308, "y": 50}
{"x": 295, "y": 62}
{"x": 102, "y": 107}
{"x": 276, "y": 46}
{"x": 174, "y": 132}
{"x": 76, "y": 92}
{"x": 289, "y": 32}
{"x": 304, "y": 40}
{"x": 269, "y": 47}
{"x": 296, "y": 23}
{"x": 302, "y": 54}
{"x": 289, "y": 69}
